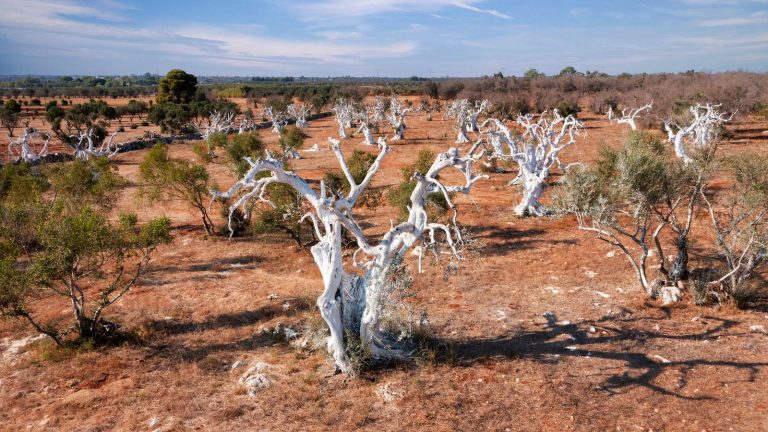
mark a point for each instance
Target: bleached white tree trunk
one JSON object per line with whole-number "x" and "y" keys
{"x": 367, "y": 134}
{"x": 23, "y": 146}
{"x": 299, "y": 114}
{"x": 701, "y": 132}
{"x": 365, "y": 115}
{"x": 344, "y": 111}
{"x": 246, "y": 125}
{"x": 351, "y": 304}
{"x": 535, "y": 153}
{"x": 277, "y": 118}
{"x": 628, "y": 118}
{"x": 85, "y": 151}
{"x": 459, "y": 110}
{"x": 397, "y": 118}
{"x": 474, "y": 114}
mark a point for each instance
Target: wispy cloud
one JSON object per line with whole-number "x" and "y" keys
{"x": 752, "y": 19}
{"x": 46, "y": 27}
{"x": 493, "y": 12}
{"x": 339, "y": 9}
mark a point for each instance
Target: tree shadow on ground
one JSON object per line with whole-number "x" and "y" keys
{"x": 163, "y": 329}
{"x": 200, "y": 270}
{"x": 598, "y": 339}
{"x": 502, "y": 241}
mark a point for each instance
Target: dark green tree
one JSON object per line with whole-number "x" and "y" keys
{"x": 177, "y": 87}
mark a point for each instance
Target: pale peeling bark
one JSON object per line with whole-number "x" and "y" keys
{"x": 278, "y": 119}
{"x": 474, "y": 113}
{"x": 344, "y": 112}
{"x": 246, "y": 125}
{"x": 85, "y": 147}
{"x": 366, "y": 116}
{"x": 536, "y": 152}
{"x": 24, "y": 146}
{"x": 701, "y": 132}
{"x": 459, "y": 110}
{"x": 628, "y": 118}
{"x": 299, "y": 113}
{"x": 216, "y": 122}
{"x": 351, "y": 304}
{"x": 397, "y": 118}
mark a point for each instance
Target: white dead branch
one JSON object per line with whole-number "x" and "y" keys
{"x": 536, "y": 152}
{"x": 217, "y": 122}
{"x": 344, "y": 112}
{"x": 299, "y": 113}
{"x": 397, "y": 118}
{"x": 85, "y": 146}
{"x": 278, "y": 119}
{"x": 351, "y": 303}
{"x": 24, "y": 146}
{"x": 366, "y": 116}
{"x": 628, "y": 118}
{"x": 701, "y": 132}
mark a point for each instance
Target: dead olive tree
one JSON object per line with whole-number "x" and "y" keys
{"x": 351, "y": 303}
{"x": 628, "y": 118}
{"x": 704, "y": 122}
{"x": 25, "y": 147}
{"x": 535, "y": 152}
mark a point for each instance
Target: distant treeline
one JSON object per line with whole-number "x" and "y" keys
{"x": 671, "y": 93}
{"x": 533, "y": 92}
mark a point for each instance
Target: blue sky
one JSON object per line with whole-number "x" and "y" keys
{"x": 380, "y": 38}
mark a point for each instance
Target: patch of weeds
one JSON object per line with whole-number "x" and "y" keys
{"x": 358, "y": 353}
{"x": 50, "y": 352}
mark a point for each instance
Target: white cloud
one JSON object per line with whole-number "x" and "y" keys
{"x": 344, "y": 9}
{"x": 493, "y": 12}
{"x": 42, "y": 27}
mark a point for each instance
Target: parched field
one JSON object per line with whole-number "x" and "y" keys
{"x": 541, "y": 328}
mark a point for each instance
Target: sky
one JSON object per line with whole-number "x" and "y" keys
{"x": 393, "y": 38}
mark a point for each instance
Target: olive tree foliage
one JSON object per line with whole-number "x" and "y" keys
{"x": 628, "y": 118}
{"x": 291, "y": 141}
{"x": 25, "y": 148}
{"x": 10, "y": 115}
{"x": 430, "y": 107}
{"x": 162, "y": 178}
{"x": 535, "y": 152}
{"x": 215, "y": 130}
{"x": 738, "y": 218}
{"x": 351, "y": 303}
{"x": 702, "y": 128}
{"x": 629, "y": 198}
{"x": 60, "y": 248}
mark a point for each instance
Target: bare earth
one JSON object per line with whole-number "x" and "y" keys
{"x": 546, "y": 330}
